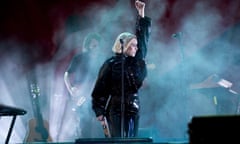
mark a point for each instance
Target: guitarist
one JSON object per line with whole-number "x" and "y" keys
{"x": 78, "y": 79}
{"x": 77, "y": 74}
{"x": 38, "y": 128}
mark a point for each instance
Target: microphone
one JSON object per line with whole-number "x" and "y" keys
{"x": 177, "y": 35}
{"x": 121, "y": 41}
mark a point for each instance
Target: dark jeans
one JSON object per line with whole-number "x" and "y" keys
{"x": 130, "y": 124}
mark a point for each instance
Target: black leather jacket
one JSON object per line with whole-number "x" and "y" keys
{"x": 109, "y": 81}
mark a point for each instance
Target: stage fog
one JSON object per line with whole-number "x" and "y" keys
{"x": 192, "y": 61}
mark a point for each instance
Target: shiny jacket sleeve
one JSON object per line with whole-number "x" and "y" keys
{"x": 143, "y": 31}
{"x": 101, "y": 89}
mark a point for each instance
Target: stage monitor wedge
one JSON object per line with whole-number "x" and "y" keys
{"x": 214, "y": 129}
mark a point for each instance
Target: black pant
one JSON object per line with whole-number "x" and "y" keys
{"x": 130, "y": 124}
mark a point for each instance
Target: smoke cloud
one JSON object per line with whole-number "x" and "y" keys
{"x": 205, "y": 47}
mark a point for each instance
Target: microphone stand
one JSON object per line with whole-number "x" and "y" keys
{"x": 122, "y": 88}
{"x": 183, "y": 84}
{"x": 178, "y": 36}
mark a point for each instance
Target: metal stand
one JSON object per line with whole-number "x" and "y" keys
{"x": 183, "y": 79}
{"x": 122, "y": 98}
{"x": 10, "y": 129}
{"x": 10, "y": 111}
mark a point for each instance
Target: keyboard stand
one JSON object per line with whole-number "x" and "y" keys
{"x": 10, "y": 111}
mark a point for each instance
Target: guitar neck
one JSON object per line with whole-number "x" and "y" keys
{"x": 35, "y": 94}
{"x": 37, "y": 111}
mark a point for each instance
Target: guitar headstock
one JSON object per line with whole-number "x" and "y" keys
{"x": 35, "y": 90}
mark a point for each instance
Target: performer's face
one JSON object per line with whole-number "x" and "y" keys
{"x": 131, "y": 48}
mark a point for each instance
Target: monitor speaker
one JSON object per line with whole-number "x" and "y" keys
{"x": 214, "y": 129}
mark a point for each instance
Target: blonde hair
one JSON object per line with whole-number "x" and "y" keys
{"x": 126, "y": 37}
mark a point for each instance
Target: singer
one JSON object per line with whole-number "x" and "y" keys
{"x": 120, "y": 78}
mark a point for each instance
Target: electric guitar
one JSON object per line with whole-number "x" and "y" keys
{"x": 78, "y": 97}
{"x": 38, "y": 128}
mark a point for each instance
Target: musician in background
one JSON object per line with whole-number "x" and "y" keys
{"x": 79, "y": 66}
{"x": 108, "y": 86}
{"x": 78, "y": 79}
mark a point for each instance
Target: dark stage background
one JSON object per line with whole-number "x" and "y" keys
{"x": 193, "y": 53}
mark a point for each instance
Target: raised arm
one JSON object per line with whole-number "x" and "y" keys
{"x": 143, "y": 25}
